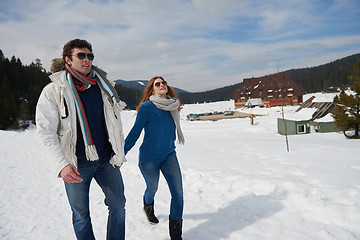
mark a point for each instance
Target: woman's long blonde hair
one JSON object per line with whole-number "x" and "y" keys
{"x": 149, "y": 89}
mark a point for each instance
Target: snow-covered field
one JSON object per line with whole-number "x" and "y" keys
{"x": 239, "y": 181}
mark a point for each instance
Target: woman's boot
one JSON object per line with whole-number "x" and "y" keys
{"x": 175, "y": 229}
{"x": 149, "y": 212}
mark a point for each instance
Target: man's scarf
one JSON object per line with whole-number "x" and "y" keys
{"x": 170, "y": 104}
{"x": 86, "y": 82}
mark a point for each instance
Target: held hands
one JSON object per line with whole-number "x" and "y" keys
{"x": 70, "y": 174}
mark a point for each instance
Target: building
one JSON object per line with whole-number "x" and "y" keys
{"x": 309, "y": 117}
{"x": 273, "y": 90}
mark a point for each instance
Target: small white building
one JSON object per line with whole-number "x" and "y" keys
{"x": 252, "y": 102}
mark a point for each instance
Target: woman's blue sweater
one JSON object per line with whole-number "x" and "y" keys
{"x": 159, "y": 138}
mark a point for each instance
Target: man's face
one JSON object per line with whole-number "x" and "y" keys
{"x": 82, "y": 66}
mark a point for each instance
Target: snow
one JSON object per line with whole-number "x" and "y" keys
{"x": 141, "y": 83}
{"x": 303, "y": 114}
{"x": 322, "y": 97}
{"x": 327, "y": 118}
{"x": 239, "y": 183}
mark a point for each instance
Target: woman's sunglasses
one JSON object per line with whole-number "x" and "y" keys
{"x": 82, "y": 56}
{"x": 157, "y": 84}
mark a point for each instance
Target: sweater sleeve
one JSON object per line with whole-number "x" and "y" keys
{"x": 135, "y": 132}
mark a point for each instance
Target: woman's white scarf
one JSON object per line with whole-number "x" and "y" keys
{"x": 170, "y": 104}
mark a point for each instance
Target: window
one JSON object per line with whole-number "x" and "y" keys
{"x": 301, "y": 128}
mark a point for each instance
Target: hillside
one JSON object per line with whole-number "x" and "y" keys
{"x": 20, "y": 87}
{"x": 325, "y": 78}
{"x": 131, "y": 93}
{"x": 140, "y": 85}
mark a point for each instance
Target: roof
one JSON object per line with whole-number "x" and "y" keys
{"x": 321, "y": 108}
{"x": 303, "y": 115}
{"x": 277, "y": 85}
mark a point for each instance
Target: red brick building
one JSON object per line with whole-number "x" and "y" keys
{"x": 274, "y": 90}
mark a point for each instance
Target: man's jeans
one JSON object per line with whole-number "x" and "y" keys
{"x": 111, "y": 183}
{"x": 171, "y": 170}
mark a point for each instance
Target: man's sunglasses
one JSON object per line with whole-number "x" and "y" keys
{"x": 157, "y": 84}
{"x": 82, "y": 56}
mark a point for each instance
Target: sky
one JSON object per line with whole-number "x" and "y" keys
{"x": 195, "y": 45}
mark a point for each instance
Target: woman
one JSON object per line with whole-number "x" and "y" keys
{"x": 158, "y": 115}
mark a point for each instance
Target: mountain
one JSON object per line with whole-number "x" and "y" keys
{"x": 131, "y": 93}
{"x": 140, "y": 85}
{"x": 324, "y": 78}
{"x": 219, "y": 94}
{"x": 20, "y": 87}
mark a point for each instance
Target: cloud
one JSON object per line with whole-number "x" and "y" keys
{"x": 196, "y": 44}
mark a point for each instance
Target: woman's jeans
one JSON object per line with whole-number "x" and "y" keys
{"x": 111, "y": 183}
{"x": 171, "y": 170}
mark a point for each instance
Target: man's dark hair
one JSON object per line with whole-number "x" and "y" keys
{"x": 76, "y": 43}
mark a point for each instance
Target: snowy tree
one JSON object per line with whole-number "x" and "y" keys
{"x": 347, "y": 107}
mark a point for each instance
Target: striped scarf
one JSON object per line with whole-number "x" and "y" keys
{"x": 85, "y": 83}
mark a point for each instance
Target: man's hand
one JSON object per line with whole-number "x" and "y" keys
{"x": 70, "y": 174}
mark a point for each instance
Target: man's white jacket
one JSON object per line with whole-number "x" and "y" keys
{"x": 56, "y": 124}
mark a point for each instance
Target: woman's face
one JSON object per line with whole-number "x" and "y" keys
{"x": 160, "y": 87}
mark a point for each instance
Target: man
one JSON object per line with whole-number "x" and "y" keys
{"x": 79, "y": 127}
